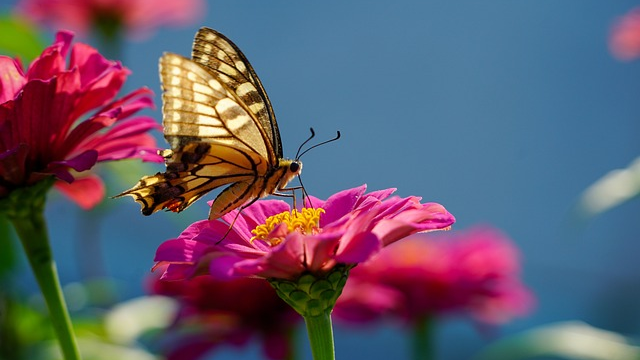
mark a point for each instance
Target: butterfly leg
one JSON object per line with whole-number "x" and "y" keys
{"x": 290, "y": 193}
{"x": 236, "y": 218}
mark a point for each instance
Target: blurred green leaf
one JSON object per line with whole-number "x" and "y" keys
{"x": 129, "y": 320}
{"x": 7, "y": 244}
{"x": 95, "y": 349}
{"x": 611, "y": 190}
{"x": 567, "y": 340}
{"x": 20, "y": 38}
{"x": 22, "y": 329}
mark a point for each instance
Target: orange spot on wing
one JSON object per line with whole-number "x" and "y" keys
{"x": 174, "y": 205}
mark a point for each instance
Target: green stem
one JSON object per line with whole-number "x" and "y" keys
{"x": 320, "y": 332}
{"x": 32, "y": 231}
{"x": 423, "y": 339}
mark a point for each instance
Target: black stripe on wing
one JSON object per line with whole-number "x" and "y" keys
{"x": 226, "y": 61}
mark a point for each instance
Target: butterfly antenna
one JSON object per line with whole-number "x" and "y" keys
{"x": 313, "y": 134}
{"x": 316, "y": 145}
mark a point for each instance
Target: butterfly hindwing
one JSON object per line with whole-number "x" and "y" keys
{"x": 197, "y": 169}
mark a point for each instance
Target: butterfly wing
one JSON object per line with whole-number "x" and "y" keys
{"x": 221, "y": 57}
{"x": 197, "y": 169}
{"x": 222, "y": 131}
{"x": 216, "y": 141}
{"x": 198, "y": 107}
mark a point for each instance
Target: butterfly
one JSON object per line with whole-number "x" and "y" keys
{"x": 222, "y": 131}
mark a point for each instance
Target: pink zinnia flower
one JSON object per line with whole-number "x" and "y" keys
{"x": 474, "y": 272}
{"x": 269, "y": 240}
{"x": 56, "y": 120}
{"x": 137, "y": 17}
{"x": 624, "y": 40}
{"x": 213, "y": 313}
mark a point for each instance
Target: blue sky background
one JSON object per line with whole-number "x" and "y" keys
{"x": 503, "y": 111}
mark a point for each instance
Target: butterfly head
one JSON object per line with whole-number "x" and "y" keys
{"x": 293, "y": 168}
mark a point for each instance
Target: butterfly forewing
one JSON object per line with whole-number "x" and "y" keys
{"x": 198, "y": 106}
{"x": 219, "y": 55}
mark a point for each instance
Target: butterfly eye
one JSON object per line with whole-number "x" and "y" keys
{"x": 295, "y": 166}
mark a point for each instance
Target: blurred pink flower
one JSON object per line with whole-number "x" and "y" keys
{"x": 267, "y": 240}
{"x": 213, "y": 313}
{"x": 624, "y": 40}
{"x": 475, "y": 273}
{"x": 46, "y": 128}
{"x": 137, "y": 17}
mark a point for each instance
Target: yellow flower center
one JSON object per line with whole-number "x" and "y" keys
{"x": 305, "y": 222}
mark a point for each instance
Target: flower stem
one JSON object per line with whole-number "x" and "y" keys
{"x": 31, "y": 228}
{"x": 320, "y": 332}
{"x": 423, "y": 339}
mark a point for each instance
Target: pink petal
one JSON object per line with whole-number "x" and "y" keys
{"x": 378, "y": 195}
{"x": 284, "y": 261}
{"x": 82, "y": 162}
{"x": 63, "y": 39}
{"x": 81, "y": 133}
{"x": 101, "y": 90}
{"x": 428, "y": 217}
{"x": 193, "y": 230}
{"x": 223, "y": 266}
{"x": 359, "y": 248}
{"x": 131, "y": 103}
{"x": 87, "y": 191}
{"x": 180, "y": 251}
{"x": 89, "y": 62}
{"x": 12, "y": 78}
{"x": 177, "y": 271}
{"x": 341, "y": 204}
{"x": 141, "y": 146}
{"x": 213, "y": 233}
{"x": 47, "y": 65}
{"x": 320, "y": 251}
{"x": 32, "y": 106}
{"x": 133, "y": 126}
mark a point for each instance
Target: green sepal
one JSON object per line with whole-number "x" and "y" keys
{"x": 313, "y": 295}
{"x": 24, "y": 201}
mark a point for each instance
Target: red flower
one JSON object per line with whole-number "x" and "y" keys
{"x": 137, "y": 17}
{"x": 214, "y": 313}
{"x": 473, "y": 273}
{"x": 58, "y": 120}
{"x": 624, "y": 40}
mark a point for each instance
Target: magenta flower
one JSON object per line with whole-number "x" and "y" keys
{"x": 137, "y": 17}
{"x": 474, "y": 273}
{"x": 268, "y": 240}
{"x": 213, "y": 313}
{"x": 305, "y": 254}
{"x": 57, "y": 120}
{"x": 624, "y": 40}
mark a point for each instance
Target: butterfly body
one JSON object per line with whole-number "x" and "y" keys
{"x": 222, "y": 131}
